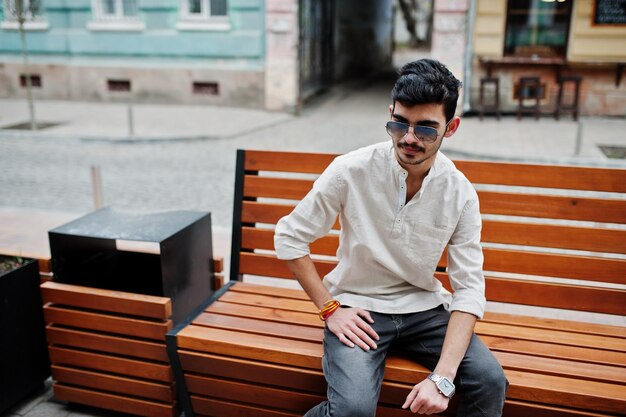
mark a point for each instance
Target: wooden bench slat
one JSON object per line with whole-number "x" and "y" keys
{"x": 548, "y": 323}
{"x": 514, "y": 408}
{"x": 285, "y": 400}
{"x": 602, "y": 343}
{"x": 551, "y": 236}
{"x": 218, "y": 264}
{"x": 544, "y": 176}
{"x": 113, "y": 383}
{"x": 107, "y": 300}
{"x": 551, "y": 350}
{"x": 555, "y": 295}
{"x": 215, "y": 408}
{"x": 255, "y": 212}
{"x": 553, "y": 207}
{"x": 268, "y": 187}
{"x": 242, "y": 369}
{"x": 314, "y": 163}
{"x": 247, "y": 287}
{"x": 562, "y": 367}
{"x": 248, "y": 325}
{"x": 106, "y": 343}
{"x": 491, "y": 202}
{"x": 106, "y": 323}
{"x": 269, "y": 266}
{"x": 252, "y": 238}
{"x": 265, "y": 313}
{"x": 108, "y": 363}
{"x": 268, "y": 301}
{"x": 555, "y": 265}
{"x": 249, "y": 346}
{"x": 590, "y": 395}
{"x": 114, "y": 402}
{"x": 257, "y": 394}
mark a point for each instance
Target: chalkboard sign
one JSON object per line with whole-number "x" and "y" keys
{"x": 609, "y": 12}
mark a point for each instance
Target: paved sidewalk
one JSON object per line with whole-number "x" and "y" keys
{"x": 182, "y": 157}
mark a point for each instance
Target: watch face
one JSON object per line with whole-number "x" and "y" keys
{"x": 446, "y": 387}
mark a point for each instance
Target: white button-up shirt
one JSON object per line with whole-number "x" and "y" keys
{"x": 388, "y": 247}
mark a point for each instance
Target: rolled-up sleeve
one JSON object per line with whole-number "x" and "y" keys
{"x": 465, "y": 262}
{"x": 312, "y": 218}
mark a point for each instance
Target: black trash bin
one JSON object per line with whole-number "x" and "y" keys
{"x": 163, "y": 254}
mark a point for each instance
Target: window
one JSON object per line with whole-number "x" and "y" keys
{"x": 205, "y": 88}
{"x": 203, "y": 15}
{"x": 29, "y": 10}
{"x": 203, "y": 9}
{"x": 537, "y": 28}
{"x": 35, "y": 80}
{"x": 115, "y": 15}
{"x": 118, "y": 85}
{"x": 116, "y": 9}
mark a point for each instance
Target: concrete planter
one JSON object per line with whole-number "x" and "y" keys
{"x": 24, "y": 363}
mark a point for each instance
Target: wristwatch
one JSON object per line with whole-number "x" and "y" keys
{"x": 444, "y": 385}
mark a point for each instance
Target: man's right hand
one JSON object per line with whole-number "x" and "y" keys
{"x": 352, "y": 327}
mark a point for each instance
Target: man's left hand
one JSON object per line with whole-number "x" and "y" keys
{"x": 425, "y": 398}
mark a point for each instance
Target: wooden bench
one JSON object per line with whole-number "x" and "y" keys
{"x": 554, "y": 238}
{"x": 107, "y": 349}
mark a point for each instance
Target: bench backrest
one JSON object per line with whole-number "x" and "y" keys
{"x": 553, "y": 236}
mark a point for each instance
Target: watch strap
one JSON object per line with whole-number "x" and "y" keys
{"x": 437, "y": 379}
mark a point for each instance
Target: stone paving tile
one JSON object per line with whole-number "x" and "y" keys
{"x": 48, "y": 409}
{"x": 31, "y": 401}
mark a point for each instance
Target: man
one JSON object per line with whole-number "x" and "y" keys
{"x": 399, "y": 204}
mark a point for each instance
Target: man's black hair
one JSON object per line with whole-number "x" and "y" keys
{"x": 427, "y": 81}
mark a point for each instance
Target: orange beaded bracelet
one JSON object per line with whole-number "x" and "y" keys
{"x": 328, "y": 309}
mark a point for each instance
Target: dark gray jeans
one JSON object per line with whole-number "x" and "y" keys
{"x": 354, "y": 376}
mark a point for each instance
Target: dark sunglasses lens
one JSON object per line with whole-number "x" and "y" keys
{"x": 426, "y": 134}
{"x": 397, "y": 129}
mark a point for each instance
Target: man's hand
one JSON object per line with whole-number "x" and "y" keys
{"x": 425, "y": 398}
{"x": 352, "y": 327}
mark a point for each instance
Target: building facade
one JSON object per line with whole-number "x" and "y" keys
{"x": 274, "y": 54}
{"x": 268, "y": 54}
{"x": 204, "y": 51}
{"x": 551, "y": 39}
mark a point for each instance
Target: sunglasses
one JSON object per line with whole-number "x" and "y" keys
{"x": 425, "y": 134}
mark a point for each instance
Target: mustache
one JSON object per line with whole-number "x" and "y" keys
{"x": 413, "y": 146}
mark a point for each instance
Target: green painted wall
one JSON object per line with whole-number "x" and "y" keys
{"x": 68, "y": 35}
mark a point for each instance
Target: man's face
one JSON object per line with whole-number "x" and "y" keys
{"x": 409, "y": 149}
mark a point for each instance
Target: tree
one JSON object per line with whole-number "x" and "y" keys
{"x": 417, "y": 13}
{"x": 22, "y": 11}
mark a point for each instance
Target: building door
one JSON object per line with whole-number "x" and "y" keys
{"x": 316, "y": 46}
